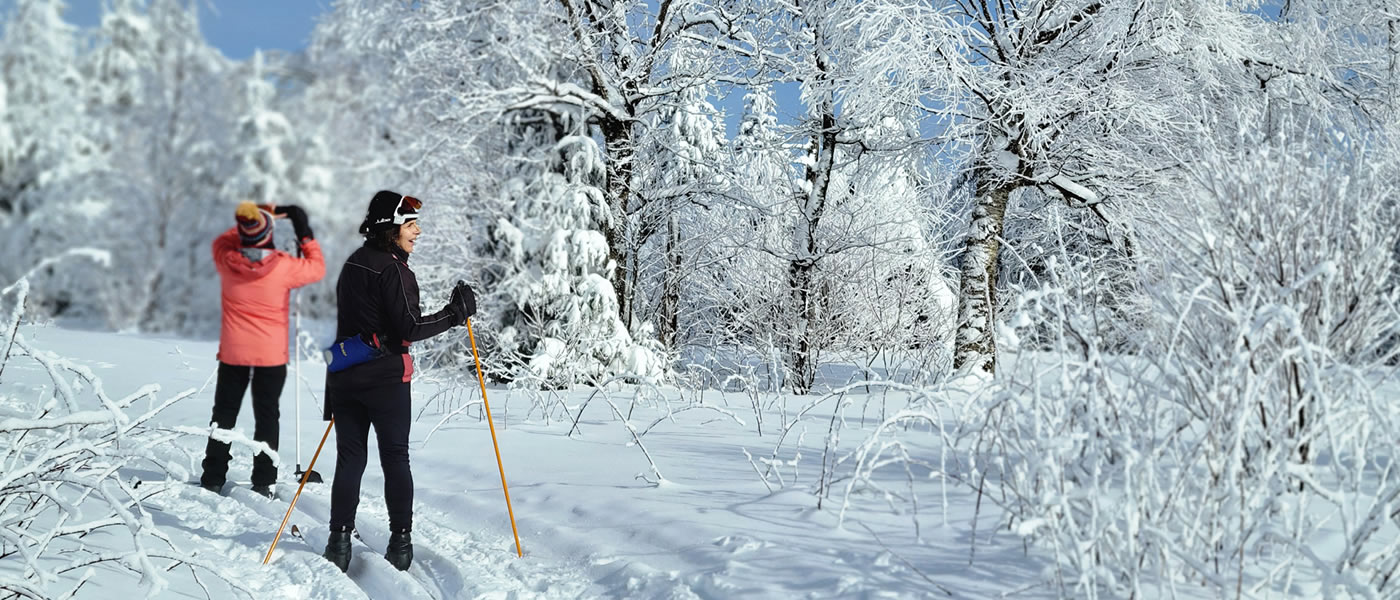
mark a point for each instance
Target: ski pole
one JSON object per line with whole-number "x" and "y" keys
{"x": 482, "y": 380}
{"x": 299, "y": 488}
{"x": 296, "y": 345}
{"x": 313, "y": 476}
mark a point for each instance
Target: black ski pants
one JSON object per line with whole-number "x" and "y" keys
{"x": 228, "y": 398}
{"x": 386, "y": 408}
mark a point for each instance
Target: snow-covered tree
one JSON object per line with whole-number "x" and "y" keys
{"x": 43, "y": 113}
{"x": 890, "y": 296}
{"x": 680, "y": 174}
{"x": 553, "y": 263}
{"x": 49, "y": 147}
{"x": 752, "y": 221}
{"x": 623, "y": 49}
{"x": 263, "y": 136}
{"x": 157, "y": 88}
{"x": 1079, "y": 101}
{"x": 846, "y": 128}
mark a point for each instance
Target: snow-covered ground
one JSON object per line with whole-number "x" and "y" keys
{"x": 591, "y": 521}
{"x": 727, "y": 495}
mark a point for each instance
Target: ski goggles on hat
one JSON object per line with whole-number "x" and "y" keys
{"x": 407, "y": 210}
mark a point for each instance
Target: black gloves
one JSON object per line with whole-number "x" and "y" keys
{"x": 463, "y": 302}
{"x": 299, "y": 223}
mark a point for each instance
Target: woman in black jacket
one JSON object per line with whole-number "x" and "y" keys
{"x": 377, "y": 297}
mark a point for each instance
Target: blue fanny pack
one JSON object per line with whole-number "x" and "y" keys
{"x": 352, "y": 351}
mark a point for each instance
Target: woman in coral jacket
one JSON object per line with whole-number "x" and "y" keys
{"x": 256, "y": 281}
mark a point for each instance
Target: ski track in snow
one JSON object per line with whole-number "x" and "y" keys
{"x": 368, "y": 569}
{"x": 588, "y": 528}
{"x": 447, "y": 563}
{"x": 235, "y": 534}
{"x": 455, "y": 563}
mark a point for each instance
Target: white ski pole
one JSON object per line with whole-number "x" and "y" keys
{"x": 307, "y": 475}
{"x": 296, "y": 342}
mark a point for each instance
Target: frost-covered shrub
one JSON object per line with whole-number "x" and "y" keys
{"x": 1247, "y": 448}
{"x": 64, "y": 456}
{"x": 1094, "y": 261}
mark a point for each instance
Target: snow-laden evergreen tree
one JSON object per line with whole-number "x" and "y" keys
{"x": 621, "y": 52}
{"x": 158, "y": 90}
{"x": 765, "y": 182}
{"x": 261, "y": 142}
{"x": 759, "y": 146}
{"x": 50, "y": 149}
{"x": 552, "y": 263}
{"x": 680, "y": 175}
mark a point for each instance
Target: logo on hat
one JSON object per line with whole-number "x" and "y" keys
{"x": 388, "y": 208}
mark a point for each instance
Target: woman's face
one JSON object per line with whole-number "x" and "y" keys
{"x": 408, "y": 234}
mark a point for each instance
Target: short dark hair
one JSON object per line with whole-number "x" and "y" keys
{"x": 384, "y": 239}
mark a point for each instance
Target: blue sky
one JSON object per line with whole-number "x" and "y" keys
{"x": 235, "y": 27}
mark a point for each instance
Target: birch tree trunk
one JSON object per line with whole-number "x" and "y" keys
{"x": 1393, "y": 62}
{"x": 671, "y": 285}
{"x": 976, "y": 347}
{"x": 801, "y": 268}
{"x": 618, "y": 142}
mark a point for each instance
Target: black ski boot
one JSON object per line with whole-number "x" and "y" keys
{"x": 400, "y": 550}
{"x": 338, "y": 548}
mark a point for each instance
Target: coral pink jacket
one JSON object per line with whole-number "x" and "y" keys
{"x": 255, "y": 299}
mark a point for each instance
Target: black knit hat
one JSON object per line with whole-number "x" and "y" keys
{"x": 388, "y": 210}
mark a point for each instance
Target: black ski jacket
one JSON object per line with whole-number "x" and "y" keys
{"x": 378, "y": 294}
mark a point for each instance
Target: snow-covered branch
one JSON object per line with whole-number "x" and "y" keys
{"x": 65, "y": 462}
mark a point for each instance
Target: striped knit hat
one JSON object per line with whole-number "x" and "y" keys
{"x": 254, "y": 226}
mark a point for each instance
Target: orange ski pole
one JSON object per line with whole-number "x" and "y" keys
{"x": 482, "y": 380}
{"x": 304, "y": 475}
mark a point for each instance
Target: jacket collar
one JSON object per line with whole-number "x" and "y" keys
{"x": 255, "y": 255}
{"x": 393, "y": 250}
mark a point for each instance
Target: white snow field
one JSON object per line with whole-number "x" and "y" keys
{"x": 593, "y": 520}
